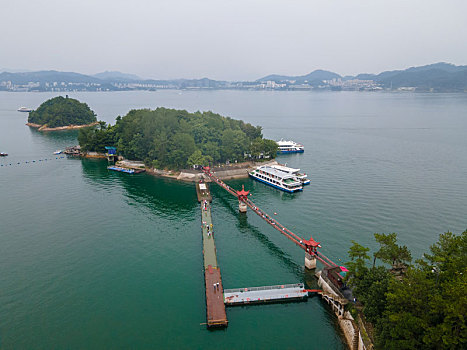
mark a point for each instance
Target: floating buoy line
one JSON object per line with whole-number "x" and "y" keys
{"x": 31, "y": 161}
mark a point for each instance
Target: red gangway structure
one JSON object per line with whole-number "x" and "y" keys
{"x": 310, "y": 246}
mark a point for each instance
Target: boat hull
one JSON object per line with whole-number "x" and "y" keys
{"x": 275, "y": 186}
{"x": 122, "y": 170}
{"x": 294, "y": 151}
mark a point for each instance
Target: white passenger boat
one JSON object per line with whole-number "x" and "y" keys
{"x": 290, "y": 147}
{"x": 276, "y": 178}
{"x": 58, "y": 151}
{"x": 295, "y": 172}
{"x": 24, "y": 109}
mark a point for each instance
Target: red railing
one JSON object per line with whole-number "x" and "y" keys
{"x": 310, "y": 246}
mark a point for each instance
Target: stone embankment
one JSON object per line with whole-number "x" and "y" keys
{"x": 68, "y": 127}
{"x": 226, "y": 172}
{"x": 352, "y": 333}
{"x": 94, "y": 155}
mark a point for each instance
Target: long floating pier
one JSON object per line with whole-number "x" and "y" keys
{"x": 215, "y": 308}
{"x": 267, "y": 294}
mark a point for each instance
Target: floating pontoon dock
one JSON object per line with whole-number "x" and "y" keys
{"x": 125, "y": 170}
{"x": 267, "y": 294}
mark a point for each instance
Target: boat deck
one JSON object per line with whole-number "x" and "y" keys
{"x": 267, "y": 294}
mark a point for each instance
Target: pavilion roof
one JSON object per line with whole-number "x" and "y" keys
{"x": 243, "y": 193}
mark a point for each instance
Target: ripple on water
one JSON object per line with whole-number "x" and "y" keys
{"x": 93, "y": 258}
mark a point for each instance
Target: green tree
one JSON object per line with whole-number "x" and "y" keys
{"x": 371, "y": 289}
{"x": 197, "y": 158}
{"x": 357, "y": 266}
{"x": 269, "y": 148}
{"x": 233, "y": 144}
{"x": 180, "y": 148}
{"x": 212, "y": 151}
{"x": 390, "y": 252}
{"x": 256, "y": 147}
{"x": 427, "y": 308}
{"x": 96, "y": 138}
{"x": 404, "y": 322}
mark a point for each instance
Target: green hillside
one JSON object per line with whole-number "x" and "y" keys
{"x": 170, "y": 138}
{"x": 62, "y": 111}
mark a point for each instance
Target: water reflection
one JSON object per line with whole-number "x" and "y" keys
{"x": 54, "y": 138}
{"x": 245, "y": 227}
{"x": 163, "y": 196}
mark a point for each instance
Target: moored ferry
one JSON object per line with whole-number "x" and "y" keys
{"x": 276, "y": 178}
{"x": 302, "y": 177}
{"x": 290, "y": 147}
{"x": 24, "y": 109}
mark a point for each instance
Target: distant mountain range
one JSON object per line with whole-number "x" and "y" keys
{"x": 438, "y": 77}
{"x": 443, "y": 76}
{"x": 105, "y": 80}
{"x": 48, "y": 76}
{"x": 115, "y": 75}
{"x": 315, "y": 76}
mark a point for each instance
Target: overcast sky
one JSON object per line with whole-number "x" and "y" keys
{"x": 230, "y": 39}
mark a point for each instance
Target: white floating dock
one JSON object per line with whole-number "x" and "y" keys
{"x": 267, "y": 294}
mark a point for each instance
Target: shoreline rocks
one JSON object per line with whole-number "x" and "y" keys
{"x": 58, "y": 128}
{"x": 227, "y": 172}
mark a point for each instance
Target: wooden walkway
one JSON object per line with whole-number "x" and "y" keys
{"x": 215, "y": 309}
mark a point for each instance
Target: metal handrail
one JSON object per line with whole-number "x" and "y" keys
{"x": 253, "y": 289}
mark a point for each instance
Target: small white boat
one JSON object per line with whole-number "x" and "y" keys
{"x": 289, "y": 147}
{"x": 58, "y": 152}
{"x": 276, "y": 178}
{"x": 24, "y": 109}
{"x": 302, "y": 177}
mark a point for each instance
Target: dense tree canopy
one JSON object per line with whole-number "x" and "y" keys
{"x": 427, "y": 307}
{"x": 62, "y": 111}
{"x": 169, "y": 138}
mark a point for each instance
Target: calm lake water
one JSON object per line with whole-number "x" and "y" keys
{"x": 94, "y": 259}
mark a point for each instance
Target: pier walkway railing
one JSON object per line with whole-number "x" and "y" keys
{"x": 310, "y": 246}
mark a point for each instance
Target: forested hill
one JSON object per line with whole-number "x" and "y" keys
{"x": 62, "y": 111}
{"x": 420, "y": 305}
{"x": 169, "y": 138}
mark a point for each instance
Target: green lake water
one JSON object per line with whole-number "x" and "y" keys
{"x": 93, "y": 259}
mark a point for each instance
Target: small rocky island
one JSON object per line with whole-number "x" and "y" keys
{"x": 61, "y": 113}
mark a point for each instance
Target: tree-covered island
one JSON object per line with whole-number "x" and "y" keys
{"x": 412, "y": 306}
{"x": 60, "y": 113}
{"x": 175, "y": 139}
